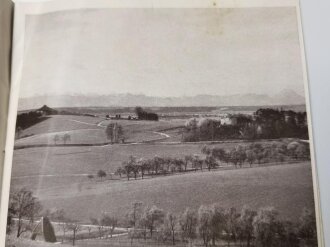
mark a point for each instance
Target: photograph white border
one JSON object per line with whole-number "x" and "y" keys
{"x": 24, "y": 8}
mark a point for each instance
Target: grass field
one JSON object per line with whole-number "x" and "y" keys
{"x": 126, "y": 242}
{"x": 59, "y": 123}
{"x": 287, "y": 187}
{"x": 58, "y": 175}
{"x": 91, "y": 130}
{"x": 66, "y": 161}
{"x": 19, "y": 242}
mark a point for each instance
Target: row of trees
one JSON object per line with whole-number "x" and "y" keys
{"x": 25, "y": 207}
{"x": 212, "y": 224}
{"x": 263, "y": 124}
{"x": 115, "y": 133}
{"x": 256, "y": 152}
{"x": 64, "y": 138}
{"x": 23, "y": 210}
{"x": 25, "y": 120}
{"x": 209, "y": 225}
{"x": 144, "y": 115}
{"x": 65, "y": 224}
{"x": 213, "y": 157}
{"x": 280, "y": 123}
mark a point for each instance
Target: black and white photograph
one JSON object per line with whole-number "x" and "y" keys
{"x": 163, "y": 126}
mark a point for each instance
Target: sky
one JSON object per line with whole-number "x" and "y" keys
{"x": 162, "y": 52}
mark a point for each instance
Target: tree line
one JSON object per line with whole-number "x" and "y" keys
{"x": 25, "y": 120}
{"x": 64, "y": 138}
{"x": 144, "y": 115}
{"x": 24, "y": 212}
{"x": 209, "y": 225}
{"x": 115, "y": 133}
{"x": 263, "y": 124}
{"x": 214, "y": 157}
{"x": 213, "y": 224}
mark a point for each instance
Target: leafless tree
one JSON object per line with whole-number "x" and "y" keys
{"x": 171, "y": 224}
{"x": 56, "y": 138}
{"x": 75, "y": 228}
{"x": 110, "y": 222}
{"x": 99, "y": 225}
{"x": 25, "y": 207}
{"x": 188, "y": 224}
{"x": 66, "y": 138}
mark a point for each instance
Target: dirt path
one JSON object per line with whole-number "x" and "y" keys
{"x": 162, "y": 134}
{"x": 76, "y": 121}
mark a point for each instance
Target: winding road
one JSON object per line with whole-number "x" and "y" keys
{"x": 20, "y": 143}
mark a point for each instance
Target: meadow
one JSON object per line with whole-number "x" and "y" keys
{"x": 58, "y": 175}
{"x": 18, "y": 242}
{"x": 83, "y": 160}
{"x": 91, "y": 130}
{"x": 125, "y": 242}
{"x": 286, "y": 187}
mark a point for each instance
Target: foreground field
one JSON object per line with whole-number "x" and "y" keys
{"x": 60, "y": 176}
{"x": 286, "y": 187}
{"x": 18, "y": 242}
{"x": 126, "y": 242}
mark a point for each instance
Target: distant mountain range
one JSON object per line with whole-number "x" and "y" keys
{"x": 285, "y": 97}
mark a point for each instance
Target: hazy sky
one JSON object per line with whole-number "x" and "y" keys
{"x": 162, "y": 52}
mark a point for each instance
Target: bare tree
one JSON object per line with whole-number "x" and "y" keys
{"x": 246, "y": 224}
{"x": 56, "y": 138}
{"x": 197, "y": 163}
{"x": 210, "y": 162}
{"x": 89, "y": 229}
{"x": 25, "y": 207}
{"x": 75, "y": 228}
{"x": 131, "y": 166}
{"x": 231, "y": 224}
{"x": 115, "y": 132}
{"x": 101, "y": 174}
{"x": 217, "y": 223}
{"x": 157, "y": 163}
{"x": 143, "y": 166}
{"x": 121, "y": 134}
{"x": 135, "y": 213}
{"x": 250, "y": 156}
{"x": 143, "y": 222}
{"x": 99, "y": 225}
{"x": 188, "y": 159}
{"x": 265, "y": 227}
{"x": 188, "y": 224}
{"x": 110, "y": 223}
{"x": 205, "y": 215}
{"x": 66, "y": 138}
{"x": 109, "y": 132}
{"x": 127, "y": 169}
{"x": 152, "y": 217}
{"x": 133, "y": 217}
{"x": 170, "y": 224}
{"x": 119, "y": 171}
